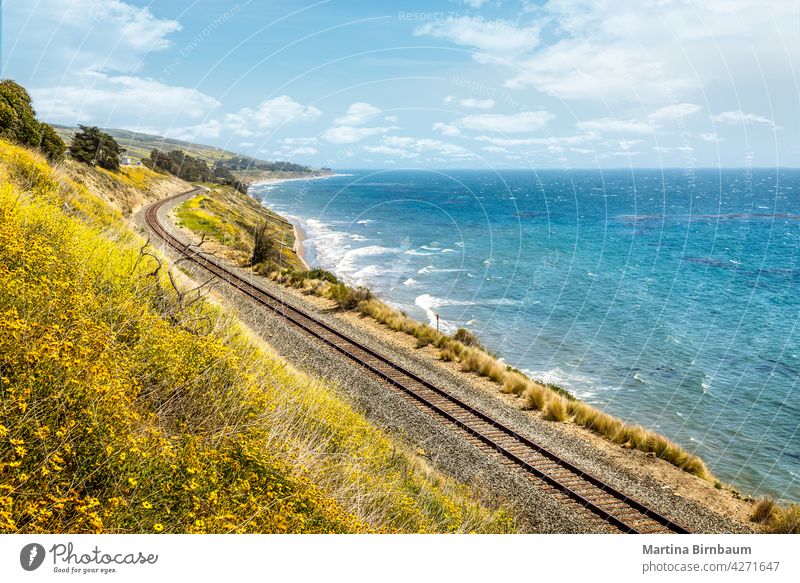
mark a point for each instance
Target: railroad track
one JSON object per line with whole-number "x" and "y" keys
{"x": 558, "y": 477}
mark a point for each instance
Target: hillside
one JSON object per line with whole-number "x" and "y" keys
{"x": 138, "y": 146}
{"x": 132, "y": 403}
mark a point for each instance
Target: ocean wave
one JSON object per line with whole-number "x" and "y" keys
{"x": 410, "y": 282}
{"x": 581, "y": 385}
{"x": 432, "y": 269}
{"x": 348, "y": 263}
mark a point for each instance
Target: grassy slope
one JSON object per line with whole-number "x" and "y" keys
{"x": 127, "y": 407}
{"x": 230, "y": 218}
{"x": 138, "y": 145}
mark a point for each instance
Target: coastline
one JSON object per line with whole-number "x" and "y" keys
{"x": 656, "y": 481}
{"x": 300, "y": 235}
{"x": 271, "y": 181}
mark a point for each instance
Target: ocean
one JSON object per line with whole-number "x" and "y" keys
{"x": 666, "y": 297}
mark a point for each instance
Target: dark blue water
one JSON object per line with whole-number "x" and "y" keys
{"x": 666, "y": 298}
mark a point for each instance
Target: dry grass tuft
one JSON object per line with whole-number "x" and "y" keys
{"x": 764, "y": 511}
{"x": 534, "y": 398}
{"x": 556, "y": 410}
{"x": 785, "y": 521}
{"x": 515, "y": 384}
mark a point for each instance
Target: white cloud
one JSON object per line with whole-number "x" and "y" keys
{"x": 676, "y": 111}
{"x": 79, "y": 58}
{"x": 196, "y": 133}
{"x": 494, "y": 37}
{"x": 545, "y": 141}
{"x": 477, "y": 103}
{"x": 708, "y": 137}
{"x": 65, "y": 39}
{"x": 475, "y": 3}
{"x": 407, "y": 147}
{"x": 641, "y": 51}
{"x": 391, "y": 118}
{"x": 270, "y": 114}
{"x": 740, "y": 117}
{"x": 389, "y": 151}
{"x": 299, "y": 141}
{"x": 133, "y": 100}
{"x": 526, "y": 121}
{"x": 610, "y": 124}
{"x": 351, "y": 135}
{"x": 357, "y": 114}
{"x": 347, "y": 128}
{"x": 303, "y": 151}
{"x": 249, "y": 122}
{"x": 446, "y": 129}
{"x": 628, "y": 144}
{"x": 496, "y": 150}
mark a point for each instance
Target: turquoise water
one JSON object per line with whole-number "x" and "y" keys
{"x": 667, "y": 298}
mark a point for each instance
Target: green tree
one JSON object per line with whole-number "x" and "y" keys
{"x": 18, "y": 122}
{"x": 92, "y": 146}
{"x": 51, "y": 143}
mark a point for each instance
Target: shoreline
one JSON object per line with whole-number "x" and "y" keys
{"x": 300, "y": 236}
{"x": 272, "y": 181}
{"x": 299, "y": 247}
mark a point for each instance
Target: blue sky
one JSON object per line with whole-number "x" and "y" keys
{"x": 458, "y": 83}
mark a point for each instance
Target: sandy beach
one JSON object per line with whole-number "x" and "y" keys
{"x": 299, "y": 249}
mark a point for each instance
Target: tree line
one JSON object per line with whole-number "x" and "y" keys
{"x": 191, "y": 168}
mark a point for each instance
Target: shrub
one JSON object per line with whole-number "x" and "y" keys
{"x": 466, "y": 337}
{"x": 787, "y": 521}
{"x": 263, "y": 245}
{"x": 18, "y": 122}
{"x": 556, "y": 410}
{"x": 515, "y": 384}
{"x": 320, "y": 274}
{"x": 448, "y": 354}
{"x": 534, "y": 398}
{"x": 346, "y": 297}
{"x": 764, "y": 511}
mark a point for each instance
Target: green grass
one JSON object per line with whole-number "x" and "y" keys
{"x": 231, "y": 218}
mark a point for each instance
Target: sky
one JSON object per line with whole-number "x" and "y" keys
{"x": 426, "y": 84}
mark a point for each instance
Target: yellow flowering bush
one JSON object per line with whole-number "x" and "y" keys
{"x": 124, "y": 410}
